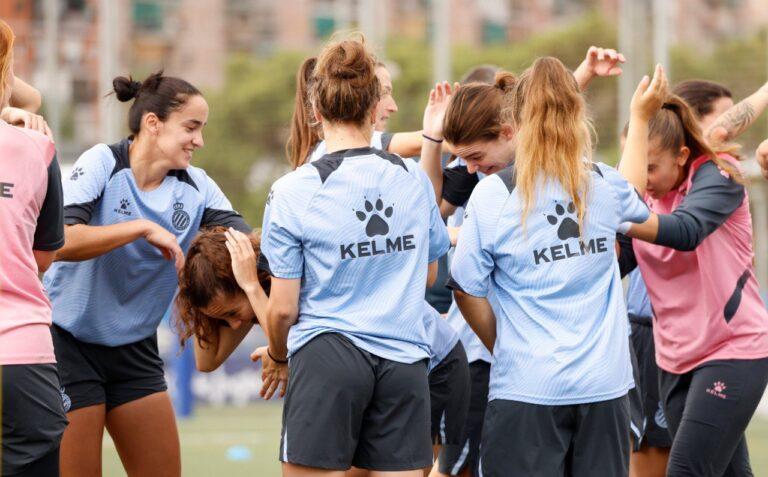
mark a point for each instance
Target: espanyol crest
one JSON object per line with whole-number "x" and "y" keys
{"x": 180, "y": 219}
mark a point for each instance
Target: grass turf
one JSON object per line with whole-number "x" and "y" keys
{"x": 244, "y": 441}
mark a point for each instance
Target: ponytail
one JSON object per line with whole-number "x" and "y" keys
{"x": 304, "y": 133}
{"x": 554, "y": 136}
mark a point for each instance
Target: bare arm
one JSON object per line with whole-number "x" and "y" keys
{"x": 24, "y": 96}
{"x": 432, "y": 273}
{"x": 598, "y": 62}
{"x": 646, "y": 101}
{"x": 739, "y": 117}
{"x": 43, "y": 259}
{"x": 84, "y": 242}
{"x": 211, "y": 355}
{"x": 431, "y": 147}
{"x": 479, "y": 315}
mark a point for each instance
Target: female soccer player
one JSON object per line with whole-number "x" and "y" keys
{"x": 712, "y": 343}
{"x": 708, "y": 101}
{"x": 347, "y": 238}
{"x": 32, "y": 229}
{"x": 127, "y": 207}
{"x": 540, "y": 237}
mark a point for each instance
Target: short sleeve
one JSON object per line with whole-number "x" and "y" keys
{"x": 439, "y": 241}
{"x": 218, "y": 210}
{"x": 49, "y": 233}
{"x": 281, "y": 246}
{"x": 85, "y": 185}
{"x": 458, "y": 184}
{"x": 630, "y": 207}
{"x": 473, "y": 262}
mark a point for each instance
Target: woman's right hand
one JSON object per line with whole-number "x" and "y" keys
{"x": 164, "y": 241}
{"x": 22, "y": 118}
{"x": 274, "y": 375}
{"x": 649, "y": 95}
{"x": 243, "y": 260}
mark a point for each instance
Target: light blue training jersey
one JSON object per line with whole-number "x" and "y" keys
{"x": 359, "y": 228}
{"x": 475, "y": 349}
{"x": 638, "y": 302}
{"x": 120, "y": 297}
{"x": 561, "y": 326}
{"x": 442, "y": 336}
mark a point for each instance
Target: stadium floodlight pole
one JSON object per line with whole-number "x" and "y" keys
{"x": 52, "y": 90}
{"x": 441, "y": 40}
{"x": 661, "y": 34}
{"x": 108, "y": 65}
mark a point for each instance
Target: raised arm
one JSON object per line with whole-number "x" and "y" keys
{"x": 738, "y": 118}
{"x": 25, "y": 96}
{"x": 431, "y": 147}
{"x": 648, "y": 98}
{"x": 598, "y": 62}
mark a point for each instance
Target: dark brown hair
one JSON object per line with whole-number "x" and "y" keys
{"x": 701, "y": 95}
{"x": 480, "y": 74}
{"x": 675, "y": 125}
{"x": 304, "y": 134}
{"x": 475, "y": 112}
{"x": 345, "y": 87}
{"x": 157, "y": 94}
{"x": 207, "y": 273}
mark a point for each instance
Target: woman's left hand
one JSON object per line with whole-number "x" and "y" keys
{"x": 274, "y": 375}
{"x": 603, "y": 61}
{"x": 22, "y": 118}
{"x": 434, "y": 113}
{"x": 243, "y": 260}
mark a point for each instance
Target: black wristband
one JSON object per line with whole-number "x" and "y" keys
{"x": 279, "y": 361}
{"x": 438, "y": 141}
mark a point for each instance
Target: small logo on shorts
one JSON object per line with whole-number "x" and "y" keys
{"x": 123, "y": 209}
{"x": 718, "y": 389}
{"x": 65, "y": 400}
{"x": 180, "y": 219}
{"x": 660, "y": 418}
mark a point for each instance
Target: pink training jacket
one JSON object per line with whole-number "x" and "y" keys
{"x": 704, "y": 294}
{"x": 25, "y": 312}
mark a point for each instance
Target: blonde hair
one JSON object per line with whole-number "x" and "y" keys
{"x": 6, "y": 56}
{"x": 554, "y": 135}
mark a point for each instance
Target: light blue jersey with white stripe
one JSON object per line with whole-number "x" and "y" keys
{"x": 561, "y": 327}
{"x": 476, "y": 350}
{"x": 120, "y": 297}
{"x": 442, "y": 337}
{"x": 638, "y": 302}
{"x": 359, "y": 228}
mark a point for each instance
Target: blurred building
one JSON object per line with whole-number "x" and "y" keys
{"x": 194, "y": 38}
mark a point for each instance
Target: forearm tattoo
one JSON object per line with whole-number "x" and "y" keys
{"x": 736, "y": 120}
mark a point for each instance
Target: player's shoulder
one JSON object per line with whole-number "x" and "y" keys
{"x": 34, "y": 143}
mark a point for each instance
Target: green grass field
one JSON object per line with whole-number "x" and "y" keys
{"x": 254, "y": 432}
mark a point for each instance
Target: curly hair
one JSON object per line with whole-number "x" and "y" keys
{"x": 207, "y": 273}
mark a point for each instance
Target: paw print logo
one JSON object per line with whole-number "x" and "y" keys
{"x": 376, "y": 225}
{"x": 568, "y": 228}
{"x": 719, "y": 386}
{"x": 124, "y": 203}
{"x": 76, "y": 173}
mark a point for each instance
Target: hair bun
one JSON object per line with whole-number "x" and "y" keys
{"x": 125, "y": 88}
{"x": 505, "y": 81}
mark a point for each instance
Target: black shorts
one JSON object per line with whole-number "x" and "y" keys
{"x": 449, "y": 391}
{"x": 708, "y": 410}
{"x": 32, "y": 415}
{"x": 655, "y": 432}
{"x": 580, "y": 440}
{"x": 94, "y": 374}
{"x": 469, "y": 455}
{"x": 347, "y": 407}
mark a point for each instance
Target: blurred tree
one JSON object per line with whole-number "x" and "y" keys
{"x": 249, "y": 117}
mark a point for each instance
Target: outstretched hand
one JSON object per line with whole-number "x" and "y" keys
{"x": 603, "y": 61}
{"x": 762, "y": 157}
{"x": 439, "y": 98}
{"x": 650, "y": 95}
